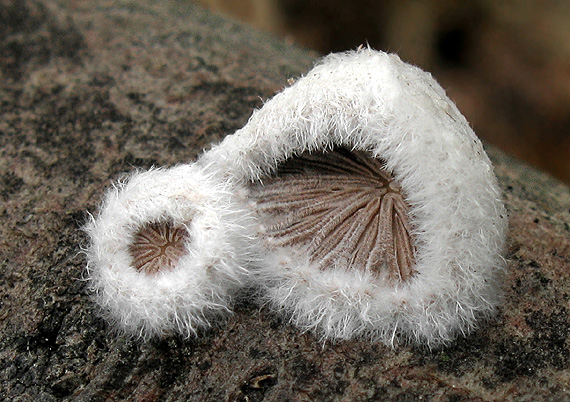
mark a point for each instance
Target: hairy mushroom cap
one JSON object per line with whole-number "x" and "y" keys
{"x": 169, "y": 249}
{"x": 371, "y": 102}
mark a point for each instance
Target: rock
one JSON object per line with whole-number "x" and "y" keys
{"x": 91, "y": 90}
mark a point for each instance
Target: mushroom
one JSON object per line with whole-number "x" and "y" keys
{"x": 358, "y": 201}
{"x": 379, "y": 212}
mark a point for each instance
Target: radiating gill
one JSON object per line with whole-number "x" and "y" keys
{"x": 157, "y": 247}
{"x": 343, "y": 208}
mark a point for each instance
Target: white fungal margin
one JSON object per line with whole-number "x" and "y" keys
{"x": 200, "y": 288}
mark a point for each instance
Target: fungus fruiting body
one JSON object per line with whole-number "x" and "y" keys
{"x": 358, "y": 201}
{"x": 412, "y": 247}
{"x": 169, "y": 249}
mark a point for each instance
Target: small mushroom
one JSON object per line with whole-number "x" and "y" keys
{"x": 169, "y": 249}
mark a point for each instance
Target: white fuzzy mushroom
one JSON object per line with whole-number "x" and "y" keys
{"x": 169, "y": 249}
{"x": 379, "y": 212}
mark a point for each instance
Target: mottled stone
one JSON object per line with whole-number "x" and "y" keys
{"x": 90, "y": 90}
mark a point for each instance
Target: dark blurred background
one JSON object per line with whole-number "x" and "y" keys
{"x": 505, "y": 64}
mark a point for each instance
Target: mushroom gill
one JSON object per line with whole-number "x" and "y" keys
{"x": 343, "y": 208}
{"x": 157, "y": 247}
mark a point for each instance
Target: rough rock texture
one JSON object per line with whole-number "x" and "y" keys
{"x": 92, "y": 89}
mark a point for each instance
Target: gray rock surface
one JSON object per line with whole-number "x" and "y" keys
{"x": 90, "y": 90}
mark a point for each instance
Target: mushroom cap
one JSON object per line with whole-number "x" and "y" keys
{"x": 373, "y": 102}
{"x": 212, "y": 266}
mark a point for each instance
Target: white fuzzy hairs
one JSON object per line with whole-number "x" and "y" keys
{"x": 363, "y": 101}
{"x": 214, "y": 265}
